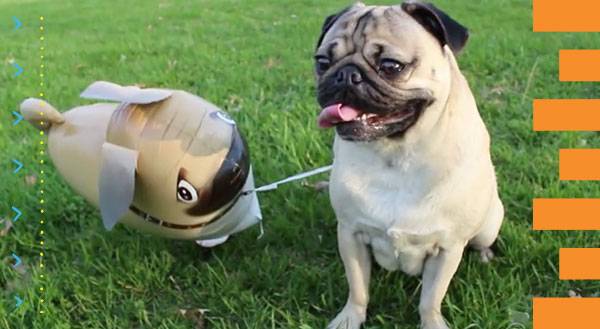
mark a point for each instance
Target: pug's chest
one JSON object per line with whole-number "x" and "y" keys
{"x": 400, "y": 235}
{"x": 389, "y": 210}
{"x": 376, "y": 195}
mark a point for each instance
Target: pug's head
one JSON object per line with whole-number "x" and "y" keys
{"x": 381, "y": 69}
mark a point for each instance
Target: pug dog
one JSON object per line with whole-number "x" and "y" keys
{"x": 413, "y": 182}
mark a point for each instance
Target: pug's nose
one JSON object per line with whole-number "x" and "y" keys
{"x": 349, "y": 75}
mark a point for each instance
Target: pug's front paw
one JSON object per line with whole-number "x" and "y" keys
{"x": 351, "y": 317}
{"x": 486, "y": 255}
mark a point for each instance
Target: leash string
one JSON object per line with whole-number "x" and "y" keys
{"x": 275, "y": 185}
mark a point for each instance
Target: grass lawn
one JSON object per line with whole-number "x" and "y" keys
{"x": 254, "y": 59}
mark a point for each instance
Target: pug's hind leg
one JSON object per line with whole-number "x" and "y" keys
{"x": 437, "y": 273}
{"x": 357, "y": 264}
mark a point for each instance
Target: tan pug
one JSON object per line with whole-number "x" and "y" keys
{"x": 412, "y": 183}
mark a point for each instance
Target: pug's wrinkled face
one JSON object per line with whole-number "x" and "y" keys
{"x": 379, "y": 68}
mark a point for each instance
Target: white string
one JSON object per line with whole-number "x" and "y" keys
{"x": 272, "y": 186}
{"x": 262, "y": 230}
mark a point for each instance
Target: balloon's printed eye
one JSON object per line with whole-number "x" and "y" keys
{"x": 186, "y": 192}
{"x": 224, "y": 116}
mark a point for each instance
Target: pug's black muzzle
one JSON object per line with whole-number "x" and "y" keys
{"x": 392, "y": 111}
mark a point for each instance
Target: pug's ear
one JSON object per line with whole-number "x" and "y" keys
{"x": 331, "y": 19}
{"x": 443, "y": 27}
{"x": 109, "y": 91}
{"x": 116, "y": 182}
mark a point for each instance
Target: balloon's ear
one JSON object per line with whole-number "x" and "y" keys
{"x": 116, "y": 183}
{"x": 109, "y": 91}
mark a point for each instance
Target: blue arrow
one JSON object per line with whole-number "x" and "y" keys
{"x": 17, "y": 260}
{"x": 19, "y": 213}
{"x": 18, "y": 23}
{"x": 19, "y": 118}
{"x": 19, "y": 301}
{"x": 19, "y": 166}
{"x": 19, "y": 69}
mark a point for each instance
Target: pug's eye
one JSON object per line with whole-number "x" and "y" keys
{"x": 390, "y": 68}
{"x": 186, "y": 192}
{"x": 322, "y": 63}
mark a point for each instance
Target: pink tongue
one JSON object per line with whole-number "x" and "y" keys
{"x": 335, "y": 114}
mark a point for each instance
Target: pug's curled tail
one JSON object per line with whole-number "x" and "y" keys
{"x": 40, "y": 114}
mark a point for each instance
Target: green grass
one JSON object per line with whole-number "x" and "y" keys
{"x": 254, "y": 59}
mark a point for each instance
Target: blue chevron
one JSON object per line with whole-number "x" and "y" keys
{"x": 19, "y": 118}
{"x": 19, "y": 301}
{"x": 17, "y": 260}
{"x": 18, "y": 23}
{"x": 18, "y": 215}
{"x": 19, "y": 69}
{"x": 19, "y": 166}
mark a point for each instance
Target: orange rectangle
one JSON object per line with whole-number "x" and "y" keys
{"x": 566, "y": 313}
{"x": 566, "y": 214}
{"x": 566, "y": 114}
{"x": 579, "y": 65}
{"x": 566, "y": 16}
{"x": 579, "y": 264}
{"x": 579, "y": 164}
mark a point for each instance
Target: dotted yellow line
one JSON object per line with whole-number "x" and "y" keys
{"x": 42, "y": 180}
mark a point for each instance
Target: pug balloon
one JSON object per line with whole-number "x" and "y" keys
{"x": 163, "y": 161}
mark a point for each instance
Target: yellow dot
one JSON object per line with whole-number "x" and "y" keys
{"x": 42, "y": 152}
{"x": 41, "y": 133}
{"x": 42, "y": 265}
{"x": 42, "y": 191}
{"x": 41, "y": 56}
{"x": 41, "y": 38}
{"x": 42, "y": 48}
{"x": 42, "y": 254}
{"x": 41, "y": 300}
{"x": 42, "y": 201}
{"x": 42, "y": 243}
{"x": 42, "y": 181}
{"x": 41, "y": 222}
{"x": 42, "y": 161}
{"x": 41, "y": 28}
{"x": 41, "y": 142}
{"x": 41, "y": 275}
{"x": 41, "y": 172}
{"x": 41, "y": 84}
{"x": 41, "y": 18}
{"x": 41, "y": 94}
{"x": 42, "y": 66}
{"x": 41, "y": 288}
{"x": 41, "y": 312}
{"x": 41, "y": 75}
{"x": 42, "y": 232}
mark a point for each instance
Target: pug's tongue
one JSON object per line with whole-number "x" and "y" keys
{"x": 336, "y": 113}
